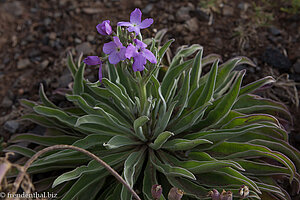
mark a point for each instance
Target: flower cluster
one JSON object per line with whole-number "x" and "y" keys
{"x": 132, "y": 48}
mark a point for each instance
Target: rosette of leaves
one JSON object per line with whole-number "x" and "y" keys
{"x": 180, "y": 127}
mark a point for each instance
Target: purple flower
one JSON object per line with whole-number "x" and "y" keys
{"x": 104, "y": 28}
{"x": 94, "y": 60}
{"x": 136, "y": 23}
{"x": 139, "y": 53}
{"x": 115, "y": 49}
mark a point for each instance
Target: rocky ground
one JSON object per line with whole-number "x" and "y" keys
{"x": 35, "y": 37}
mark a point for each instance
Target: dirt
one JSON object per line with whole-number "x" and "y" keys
{"x": 35, "y": 37}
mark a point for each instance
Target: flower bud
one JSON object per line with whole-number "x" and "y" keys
{"x": 226, "y": 195}
{"x": 244, "y": 191}
{"x": 104, "y": 28}
{"x": 175, "y": 194}
{"x": 156, "y": 191}
{"x": 214, "y": 194}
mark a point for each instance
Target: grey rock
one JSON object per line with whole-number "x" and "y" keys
{"x": 34, "y": 53}
{"x": 47, "y": 21}
{"x": 23, "y": 63}
{"x": 274, "y": 31}
{"x": 296, "y": 66}
{"x": 90, "y": 38}
{"x": 6, "y": 102}
{"x": 227, "y": 10}
{"x": 84, "y": 48}
{"x": 276, "y": 59}
{"x": 91, "y": 11}
{"x": 192, "y": 24}
{"x": 11, "y": 126}
{"x": 147, "y": 9}
{"x": 44, "y": 64}
{"x": 200, "y": 14}
{"x": 183, "y": 14}
{"x": 243, "y": 6}
{"x": 14, "y": 7}
{"x": 64, "y": 80}
{"x": 77, "y": 40}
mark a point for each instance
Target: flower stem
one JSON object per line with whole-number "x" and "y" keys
{"x": 143, "y": 92}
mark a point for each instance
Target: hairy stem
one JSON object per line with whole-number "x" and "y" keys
{"x": 143, "y": 92}
{"x": 21, "y": 175}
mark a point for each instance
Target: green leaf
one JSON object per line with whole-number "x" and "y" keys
{"x": 184, "y": 52}
{"x": 56, "y": 113}
{"x": 222, "y": 108}
{"x": 44, "y": 140}
{"x": 170, "y": 170}
{"x": 28, "y": 103}
{"x": 196, "y": 70}
{"x": 163, "y": 121}
{"x": 132, "y": 167}
{"x": 256, "y": 85}
{"x": 161, "y": 139}
{"x": 171, "y": 75}
{"x": 44, "y": 98}
{"x": 70, "y": 63}
{"x": 138, "y": 123}
{"x": 183, "y": 144}
{"x": 119, "y": 141}
{"x": 19, "y": 149}
{"x": 159, "y": 35}
{"x": 78, "y": 87}
{"x": 92, "y": 167}
{"x": 83, "y": 183}
{"x": 112, "y": 73}
{"x": 164, "y": 49}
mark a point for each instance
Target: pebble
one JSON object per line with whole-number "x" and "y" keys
{"x": 274, "y": 31}
{"x": 52, "y": 36}
{"x": 201, "y": 15}
{"x": 90, "y": 38}
{"x": 84, "y": 48}
{"x": 91, "y": 11}
{"x": 23, "y": 63}
{"x": 64, "y": 80}
{"x": 11, "y": 126}
{"x": 44, "y": 64}
{"x": 228, "y": 10}
{"x": 243, "y": 6}
{"x": 296, "y": 66}
{"x": 6, "y": 102}
{"x": 274, "y": 58}
{"x": 192, "y": 24}
{"x": 147, "y": 9}
{"x": 77, "y": 40}
{"x": 183, "y": 14}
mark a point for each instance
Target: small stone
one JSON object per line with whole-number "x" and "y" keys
{"x": 52, "y": 36}
{"x": 47, "y": 21}
{"x": 147, "y": 9}
{"x": 64, "y": 80}
{"x": 228, "y": 10}
{"x": 11, "y": 126}
{"x": 77, "y": 40}
{"x": 274, "y": 31}
{"x": 44, "y": 64}
{"x": 183, "y": 14}
{"x": 296, "y": 66}
{"x": 90, "y": 38}
{"x": 276, "y": 59}
{"x": 23, "y": 63}
{"x": 91, "y": 11}
{"x": 201, "y": 15}
{"x": 34, "y": 53}
{"x": 6, "y": 102}
{"x": 84, "y": 48}
{"x": 192, "y": 24}
{"x": 243, "y": 6}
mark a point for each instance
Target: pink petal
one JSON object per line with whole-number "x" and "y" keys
{"x": 131, "y": 51}
{"x": 117, "y": 42}
{"x": 146, "y": 23}
{"x": 136, "y": 17}
{"x": 109, "y": 47}
{"x": 113, "y": 58}
{"x": 149, "y": 56}
{"x": 139, "y": 62}
{"x": 124, "y": 24}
